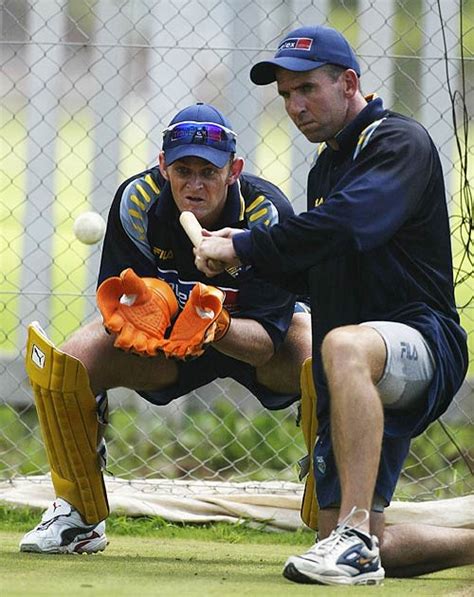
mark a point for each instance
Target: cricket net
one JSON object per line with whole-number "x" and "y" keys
{"x": 88, "y": 89}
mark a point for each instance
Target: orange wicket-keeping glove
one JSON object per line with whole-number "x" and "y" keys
{"x": 202, "y": 321}
{"x": 138, "y": 310}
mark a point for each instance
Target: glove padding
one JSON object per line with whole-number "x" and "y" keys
{"x": 138, "y": 310}
{"x": 202, "y": 321}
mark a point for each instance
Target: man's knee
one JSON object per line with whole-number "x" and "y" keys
{"x": 109, "y": 367}
{"x": 341, "y": 345}
{"x": 353, "y": 349}
{"x": 86, "y": 340}
{"x": 94, "y": 348}
{"x": 298, "y": 341}
{"x": 282, "y": 371}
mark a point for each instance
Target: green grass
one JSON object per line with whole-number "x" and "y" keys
{"x": 21, "y": 519}
{"x": 148, "y": 556}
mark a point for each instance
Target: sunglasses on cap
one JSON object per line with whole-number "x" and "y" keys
{"x": 200, "y": 133}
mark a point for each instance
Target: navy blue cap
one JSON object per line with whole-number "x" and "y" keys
{"x": 201, "y": 131}
{"x": 307, "y": 48}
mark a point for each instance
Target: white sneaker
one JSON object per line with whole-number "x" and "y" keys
{"x": 347, "y": 557}
{"x": 62, "y": 530}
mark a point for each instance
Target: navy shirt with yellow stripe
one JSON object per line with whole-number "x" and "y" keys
{"x": 143, "y": 232}
{"x": 373, "y": 245}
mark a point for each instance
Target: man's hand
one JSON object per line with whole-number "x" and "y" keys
{"x": 138, "y": 310}
{"x": 216, "y": 252}
{"x": 202, "y": 321}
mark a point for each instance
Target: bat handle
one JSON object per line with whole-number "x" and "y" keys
{"x": 193, "y": 228}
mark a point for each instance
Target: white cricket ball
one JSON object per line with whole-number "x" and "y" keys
{"x": 89, "y": 227}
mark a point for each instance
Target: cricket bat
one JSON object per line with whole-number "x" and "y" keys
{"x": 193, "y": 229}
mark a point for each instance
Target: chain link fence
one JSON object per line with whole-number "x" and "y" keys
{"x": 88, "y": 87}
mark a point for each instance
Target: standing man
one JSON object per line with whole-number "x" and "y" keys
{"x": 166, "y": 331}
{"x": 373, "y": 252}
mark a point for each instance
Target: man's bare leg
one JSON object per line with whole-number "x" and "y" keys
{"x": 353, "y": 359}
{"x": 109, "y": 367}
{"x": 414, "y": 549}
{"x": 282, "y": 372}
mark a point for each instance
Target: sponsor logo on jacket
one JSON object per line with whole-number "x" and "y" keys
{"x": 182, "y": 290}
{"x": 163, "y": 254}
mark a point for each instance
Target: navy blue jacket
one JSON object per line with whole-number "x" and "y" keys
{"x": 143, "y": 232}
{"x": 373, "y": 245}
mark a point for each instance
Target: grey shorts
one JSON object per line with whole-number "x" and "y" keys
{"x": 409, "y": 367}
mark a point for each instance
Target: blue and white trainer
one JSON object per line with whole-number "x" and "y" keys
{"x": 62, "y": 530}
{"x": 347, "y": 557}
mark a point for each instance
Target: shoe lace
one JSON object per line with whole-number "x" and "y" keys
{"x": 350, "y": 521}
{"x": 342, "y": 533}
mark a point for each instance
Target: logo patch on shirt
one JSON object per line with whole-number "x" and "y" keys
{"x": 408, "y": 351}
{"x": 321, "y": 464}
{"x": 163, "y": 253}
{"x": 318, "y": 201}
{"x": 296, "y": 43}
{"x": 182, "y": 290}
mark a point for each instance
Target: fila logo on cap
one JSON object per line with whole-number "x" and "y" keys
{"x": 296, "y": 43}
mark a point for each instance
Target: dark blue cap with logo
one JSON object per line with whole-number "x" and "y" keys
{"x": 200, "y": 131}
{"x": 307, "y": 48}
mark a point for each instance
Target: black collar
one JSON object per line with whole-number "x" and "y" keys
{"x": 348, "y": 137}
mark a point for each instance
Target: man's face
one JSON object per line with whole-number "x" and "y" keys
{"x": 199, "y": 186}
{"x": 318, "y": 105}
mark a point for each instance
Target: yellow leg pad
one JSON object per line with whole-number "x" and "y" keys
{"x": 309, "y": 426}
{"x": 67, "y": 414}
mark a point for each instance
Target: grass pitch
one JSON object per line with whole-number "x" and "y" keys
{"x": 151, "y": 557}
